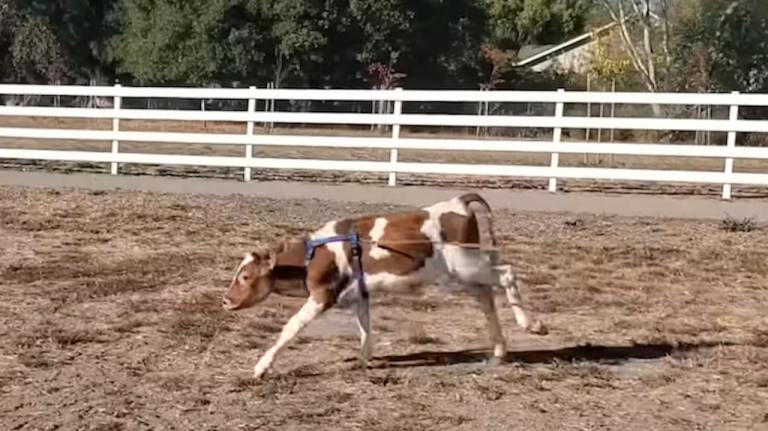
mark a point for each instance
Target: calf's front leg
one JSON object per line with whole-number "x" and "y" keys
{"x": 364, "y": 325}
{"x": 308, "y": 312}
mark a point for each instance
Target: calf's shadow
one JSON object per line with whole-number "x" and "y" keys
{"x": 586, "y": 352}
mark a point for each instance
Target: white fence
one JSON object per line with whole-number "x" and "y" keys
{"x": 394, "y": 142}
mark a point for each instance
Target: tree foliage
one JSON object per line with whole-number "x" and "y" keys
{"x": 35, "y": 53}
{"x": 9, "y": 21}
{"x": 318, "y": 43}
{"x": 84, "y": 31}
{"x": 723, "y": 46}
{"x": 517, "y": 22}
{"x": 609, "y": 64}
{"x": 29, "y": 50}
{"x": 170, "y": 41}
{"x": 640, "y": 25}
{"x": 693, "y": 45}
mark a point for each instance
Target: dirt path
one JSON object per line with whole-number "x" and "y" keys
{"x": 592, "y": 203}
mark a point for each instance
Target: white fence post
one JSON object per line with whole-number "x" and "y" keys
{"x": 393, "y": 153}
{"x": 732, "y": 116}
{"x": 557, "y": 134}
{"x": 249, "y": 132}
{"x": 116, "y": 102}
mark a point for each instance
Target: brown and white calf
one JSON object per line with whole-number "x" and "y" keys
{"x": 443, "y": 244}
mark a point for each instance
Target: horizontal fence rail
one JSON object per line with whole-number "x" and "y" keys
{"x": 400, "y": 167}
{"x": 642, "y": 98}
{"x": 557, "y": 122}
{"x": 392, "y": 119}
{"x": 387, "y": 143}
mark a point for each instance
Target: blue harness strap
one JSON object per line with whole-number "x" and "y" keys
{"x": 357, "y": 255}
{"x": 312, "y": 244}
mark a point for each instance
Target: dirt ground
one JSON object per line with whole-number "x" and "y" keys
{"x": 110, "y": 319}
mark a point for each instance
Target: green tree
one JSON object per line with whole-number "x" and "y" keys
{"x": 432, "y": 42}
{"x": 607, "y": 63}
{"x": 517, "y": 22}
{"x": 385, "y": 27}
{"x": 84, "y": 31}
{"x": 722, "y": 45}
{"x": 35, "y": 53}
{"x": 193, "y": 42}
{"x": 169, "y": 41}
{"x": 201, "y": 41}
{"x": 9, "y": 21}
{"x": 301, "y": 42}
{"x": 29, "y": 50}
{"x": 299, "y": 32}
{"x": 641, "y": 23}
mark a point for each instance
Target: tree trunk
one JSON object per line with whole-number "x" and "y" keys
{"x": 640, "y": 54}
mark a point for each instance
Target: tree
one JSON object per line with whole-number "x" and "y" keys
{"x": 433, "y": 42}
{"x": 200, "y": 41}
{"x": 445, "y": 43}
{"x": 500, "y": 63}
{"x": 638, "y": 21}
{"x": 386, "y": 27}
{"x": 84, "y": 31}
{"x": 723, "y": 46}
{"x": 36, "y": 54}
{"x": 317, "y": 43}
{"x": 607, "y": 63}
{"x": 194, "y": 42}
{"x": 9, "y": 21}
{"x": 300, "y": 31}
{"x": 517, "y": 22}
{"x": 29, "y": 50}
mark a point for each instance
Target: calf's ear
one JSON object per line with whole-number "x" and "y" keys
{"x": 267, "y": 259}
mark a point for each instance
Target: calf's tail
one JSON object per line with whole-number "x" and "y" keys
{"x": 484, "y": 222}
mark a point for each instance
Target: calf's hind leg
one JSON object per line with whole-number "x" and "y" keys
{"x": 511, "y": 284}
{"x": 485, "y": 300}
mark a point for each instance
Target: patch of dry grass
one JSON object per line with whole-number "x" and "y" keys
{"x": 48, "y": 331}
{"x": 730, "y": 224}
{"x": 197, "y": 320}
{"x": 419, "y": 336}
{"x": 88, "y": 279}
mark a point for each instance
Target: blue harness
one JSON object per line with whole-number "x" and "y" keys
{"x": 357, "y": 255}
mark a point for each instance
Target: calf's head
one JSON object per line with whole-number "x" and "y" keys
{"x": 252, "y": 282}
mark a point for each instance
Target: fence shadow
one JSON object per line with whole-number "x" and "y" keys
{"x": 588, "y": 353}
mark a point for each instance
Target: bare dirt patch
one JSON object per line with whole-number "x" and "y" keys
{"x": 110, "y": 318}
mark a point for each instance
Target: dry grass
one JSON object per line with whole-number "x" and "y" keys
{"x": 731, "y": 224}
{"x": 111, "y": 319}
{"x": 419, "y": 336}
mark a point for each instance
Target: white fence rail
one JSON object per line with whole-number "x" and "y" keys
{"x": 395, "y": 142}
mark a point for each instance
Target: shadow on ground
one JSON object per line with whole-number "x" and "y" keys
{"x": 589, "y": 353}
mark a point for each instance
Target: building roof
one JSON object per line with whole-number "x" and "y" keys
{"x": 530, "y": 55}
{"x": 527, "y": 51}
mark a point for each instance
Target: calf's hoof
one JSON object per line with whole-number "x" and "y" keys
{"x": 494, "y": 361}
{"x": 537, "y": 328}
{"x": 362, "y": 364}
{"x": 259, "y": 372}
